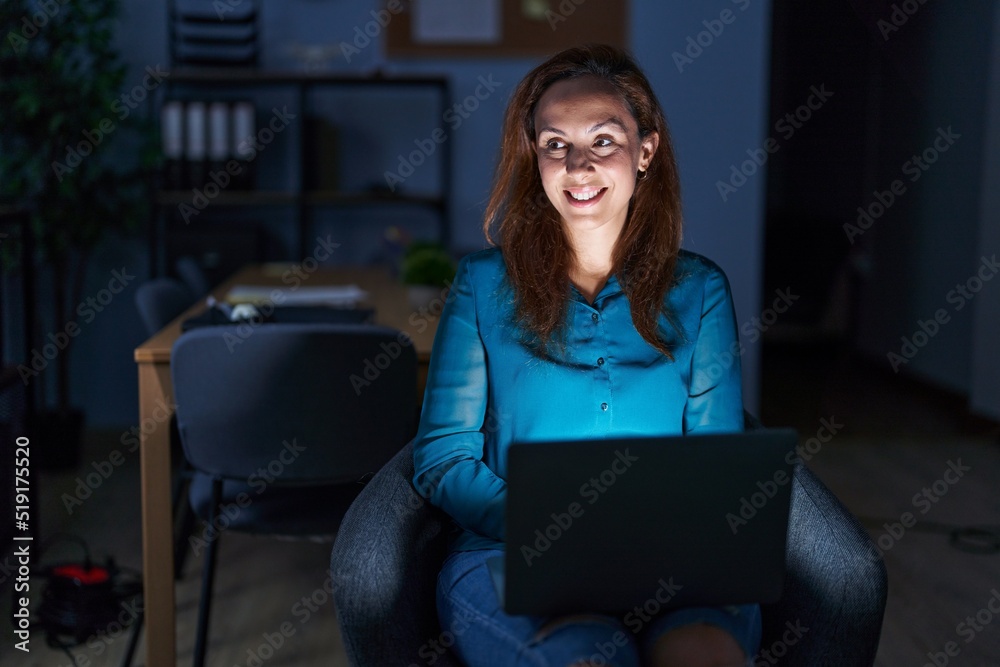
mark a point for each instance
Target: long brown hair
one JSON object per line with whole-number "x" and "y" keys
{"x": 535, "y": 246}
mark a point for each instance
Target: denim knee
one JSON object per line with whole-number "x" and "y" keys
{"x": 482, "y": 634}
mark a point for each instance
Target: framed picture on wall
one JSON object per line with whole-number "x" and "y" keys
{"x": 500, "y": 28}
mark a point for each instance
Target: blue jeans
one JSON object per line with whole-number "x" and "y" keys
{"x": 484, "y": 635}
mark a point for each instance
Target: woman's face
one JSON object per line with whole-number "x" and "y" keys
{"x": 589, "y": 151}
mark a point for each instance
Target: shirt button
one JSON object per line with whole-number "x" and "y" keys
{"x": 604, "y": 406}
{"x": 594, "y": 317}
{"x": 600, "y": 361}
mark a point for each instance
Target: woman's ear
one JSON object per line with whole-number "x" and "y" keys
{"x": 647, "y": 149}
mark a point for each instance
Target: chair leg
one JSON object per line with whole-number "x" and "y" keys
{"x": 207, "y": 580}
{"x": 183, "y": 510}
{"x": 133, "y": 640}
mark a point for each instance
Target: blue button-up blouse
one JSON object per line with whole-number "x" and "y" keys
{"x": 485, "y": 389}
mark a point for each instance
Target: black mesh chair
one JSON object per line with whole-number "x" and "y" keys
{"x": 293, "y": 400}
{"x": 192, "y": 275}
{"x": 160, "y": 300}
{"x": 392, "y": 543}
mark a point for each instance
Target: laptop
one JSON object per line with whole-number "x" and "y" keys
{"x": 623, "y": 523}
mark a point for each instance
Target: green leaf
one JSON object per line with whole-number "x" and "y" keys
{"x": 56, "y": 121}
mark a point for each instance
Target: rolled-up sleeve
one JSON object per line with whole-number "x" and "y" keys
{"x": 448, "y": 449}
{"x": 715, "y": 396}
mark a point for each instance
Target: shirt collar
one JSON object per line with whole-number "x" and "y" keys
{"x": 611, "y": 287}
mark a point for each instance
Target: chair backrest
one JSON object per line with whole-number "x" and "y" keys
{"x": 160, "y": 300}
{"x": 303, "y": 403}
{"x": 193, "y": 275}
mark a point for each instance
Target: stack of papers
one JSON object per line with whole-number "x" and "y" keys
{"x": 341, "y": 296}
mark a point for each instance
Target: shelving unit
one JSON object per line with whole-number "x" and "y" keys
{"x": 206, "y": 84}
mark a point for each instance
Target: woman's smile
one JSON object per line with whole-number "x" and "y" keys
{"x": 583, "y": 197}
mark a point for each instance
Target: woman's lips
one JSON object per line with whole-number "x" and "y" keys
{"x": 591, "y": 200}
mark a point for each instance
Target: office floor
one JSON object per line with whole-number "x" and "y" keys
{"x": 893, "y": 438}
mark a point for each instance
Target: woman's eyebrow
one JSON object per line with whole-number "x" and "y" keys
{"x": 614, "y": 120}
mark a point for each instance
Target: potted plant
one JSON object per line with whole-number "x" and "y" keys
{"x": 427, "y": 270}
{"x": 61, "y": 106}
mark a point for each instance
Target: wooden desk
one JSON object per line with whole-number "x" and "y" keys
{"x": 156, "y": 407}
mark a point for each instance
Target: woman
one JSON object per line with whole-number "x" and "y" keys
{"x": 585, "y": 320}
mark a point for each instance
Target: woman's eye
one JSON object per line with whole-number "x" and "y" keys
{"x": 554, "y": 145}
{"x": 603, "y": 143}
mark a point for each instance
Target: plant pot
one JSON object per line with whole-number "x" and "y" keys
{"x": 57, "y": 438}
{"x": 421, "y": 296}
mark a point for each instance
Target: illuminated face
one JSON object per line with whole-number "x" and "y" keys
{"x": 589, "y": 151}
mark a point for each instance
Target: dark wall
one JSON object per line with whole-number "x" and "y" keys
{"x": 902, "y": 73}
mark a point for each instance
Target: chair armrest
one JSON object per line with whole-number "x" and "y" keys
{"x": 384, "y": 568}
{"x": 835, "y": 585}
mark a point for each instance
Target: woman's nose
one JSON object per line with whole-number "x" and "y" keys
{"x": 577, "y": 160}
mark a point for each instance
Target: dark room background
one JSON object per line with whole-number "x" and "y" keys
{"x": 873, "y": 95}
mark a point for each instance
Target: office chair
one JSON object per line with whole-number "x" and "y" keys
{"x": 160, "y": 300}
{"x": 392, "y": 543}
{"x": 192, "y": 275}
{"x": 294, "y": 400}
